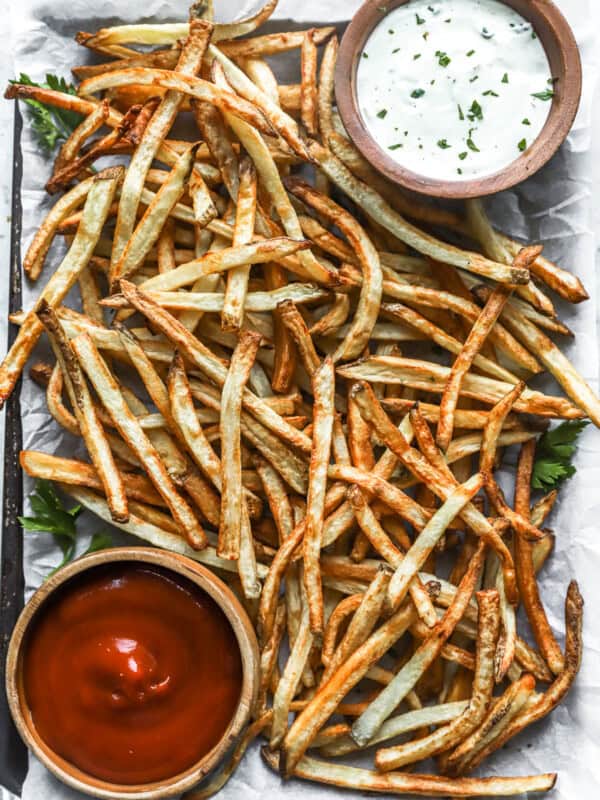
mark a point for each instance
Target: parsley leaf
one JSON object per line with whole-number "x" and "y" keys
{"x": 547, "y": 94}
{"x": 443, "y": 144}
{"x": 420, "y": 20}
{"x": 443, "y": 58}
{"x": 472, "y": 146}
{"x": 50, "y": 124}
{"x": 525, "y": 122}
{"x": 461, "y": 114}
{"x": 554, "y": 452}
{"x": 381, "y": 114}
{"x": 522, "y": 145}
{"x": 475, "y": 112}
{"x": 52, "y": 517}
{"x": 417, "y": 93}
{"x": 505, "y": 78}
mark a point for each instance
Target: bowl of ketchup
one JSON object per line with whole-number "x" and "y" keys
{"x": 131, "y": 672}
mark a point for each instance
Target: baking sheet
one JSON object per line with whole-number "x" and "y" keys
{"x": 554, "y": 207}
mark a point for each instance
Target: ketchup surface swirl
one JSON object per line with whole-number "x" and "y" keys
{"x": 132, "y": 673}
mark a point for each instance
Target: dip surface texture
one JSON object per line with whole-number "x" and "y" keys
{"x": 454, "y": 89}
{"x": 131, "y": 673}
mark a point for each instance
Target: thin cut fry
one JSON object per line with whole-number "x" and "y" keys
{"x": 112, "y": 398}
{"x": 323, "y": 390}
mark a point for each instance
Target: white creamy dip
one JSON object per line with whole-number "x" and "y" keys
{"x": 454, "y": 89}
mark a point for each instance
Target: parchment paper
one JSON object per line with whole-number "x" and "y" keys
{"x": 553, "y": 207}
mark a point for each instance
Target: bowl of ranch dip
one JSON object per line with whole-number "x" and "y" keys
{"x": 458, "y": 98}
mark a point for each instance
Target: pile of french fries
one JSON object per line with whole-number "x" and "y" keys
{"x": 270, "y": 397}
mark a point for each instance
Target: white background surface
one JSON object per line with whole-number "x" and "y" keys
{"x": 569, "y": 742}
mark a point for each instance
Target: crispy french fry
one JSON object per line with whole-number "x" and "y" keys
{"x": 323, "y": 390}
{"x": 462, "y": 725}
{"x": 108, "y": 390}
{"x": 98, "y": 200}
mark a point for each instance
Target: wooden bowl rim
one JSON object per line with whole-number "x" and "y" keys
{"x": 249, "y": 652}
{"x": 550, "y": 25}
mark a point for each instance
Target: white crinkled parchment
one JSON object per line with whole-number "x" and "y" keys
{"x": 555, "y": 207}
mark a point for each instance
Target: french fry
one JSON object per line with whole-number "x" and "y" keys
{"x": 526, "y": 581}
{"x": 147, "y": 231}
{"x": 370, "y": 297}
{"x": 172, "y": 33}
{"x": 323, "y": 390}
{"x": 231, "y": 465}
{"x": 463, "y": 724}
{"x": 308, "y": 85}
{"x": 421, "y": 785}
{"x": 89, "y": 425}
{"x": 232, "y": 315}
{"x": 462, "y": 364}
{"x": 383, "y": 705}
{"x": 98, "y": 200}
{"x": 106, "y": 387}
{"x": 376, "y": 207}
{"x": 323, "y": 704}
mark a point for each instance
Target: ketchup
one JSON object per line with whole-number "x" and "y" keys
{"x": 132, "y": 673}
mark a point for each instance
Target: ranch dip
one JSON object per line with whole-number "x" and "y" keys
{"x": 454, "y": 89}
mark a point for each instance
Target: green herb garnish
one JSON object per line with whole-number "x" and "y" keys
{"x": 365, "y": 55}
{"x": 417, "y": 93}
{"x": 462, "y": 156}
{"x": 474, "y": 78}
{"x": 522, "y": 145}
{"x": 395, "y": 146}
{"x": 472, "y": 146}
{"x": 391, "y": 31}
{"x": 461, "y": 114}
{"x": 443, "y": 144}
{"x": 420, "y": 20}
{"x": 443, "y": 58}
{"x": 50, "y": 124}
{"x": 525, "y": 122}
{"x": 381, "y": 114}
{"x": 490, "y": 93}
{"x": 505, "y": 78}
{"x": 470, "y": 53}
{"x": 397, "y": 50}
{"x": 554, "y": 453}
{"x": 475, "y": 112}
{"x": 547, "y": 94}
{"x": 52, "y": 517}
{"x": 459, "y": 170}
{"x": 416, "y": 55}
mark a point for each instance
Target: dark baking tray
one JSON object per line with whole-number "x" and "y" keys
{"x": 13, "y": 755}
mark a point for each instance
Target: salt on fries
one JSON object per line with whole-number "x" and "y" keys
{"x": 282, "y": 435}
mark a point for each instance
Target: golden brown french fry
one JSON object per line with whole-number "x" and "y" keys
{"x": 325, "y": 90}
{"x": 90, "y": 426}
{"x": 110, "y": 394}
{"x": 494, "y": 425}
{"x": 376, "y": 207}
{"x": 172, "y": 33}
{"x": 308, "y": 84}
{"x": 365, "y": 780}
{"x": 323, "y": 383}
{"x": 526, "y": 580}
{"x": 98, "y": 200}
{"x": 383, "y": 705}
{"x": 232, "y": 315}
{"x": 65, "y": 470}
{"x": 464, "y": 360}
{"x": 323, "y": 704}
{"x": 460, "y": 727}
{"x": 231, "y": 464}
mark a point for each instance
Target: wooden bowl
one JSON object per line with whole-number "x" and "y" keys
{"x": 244, "y": 633}
{"x": 563, "y": 54}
